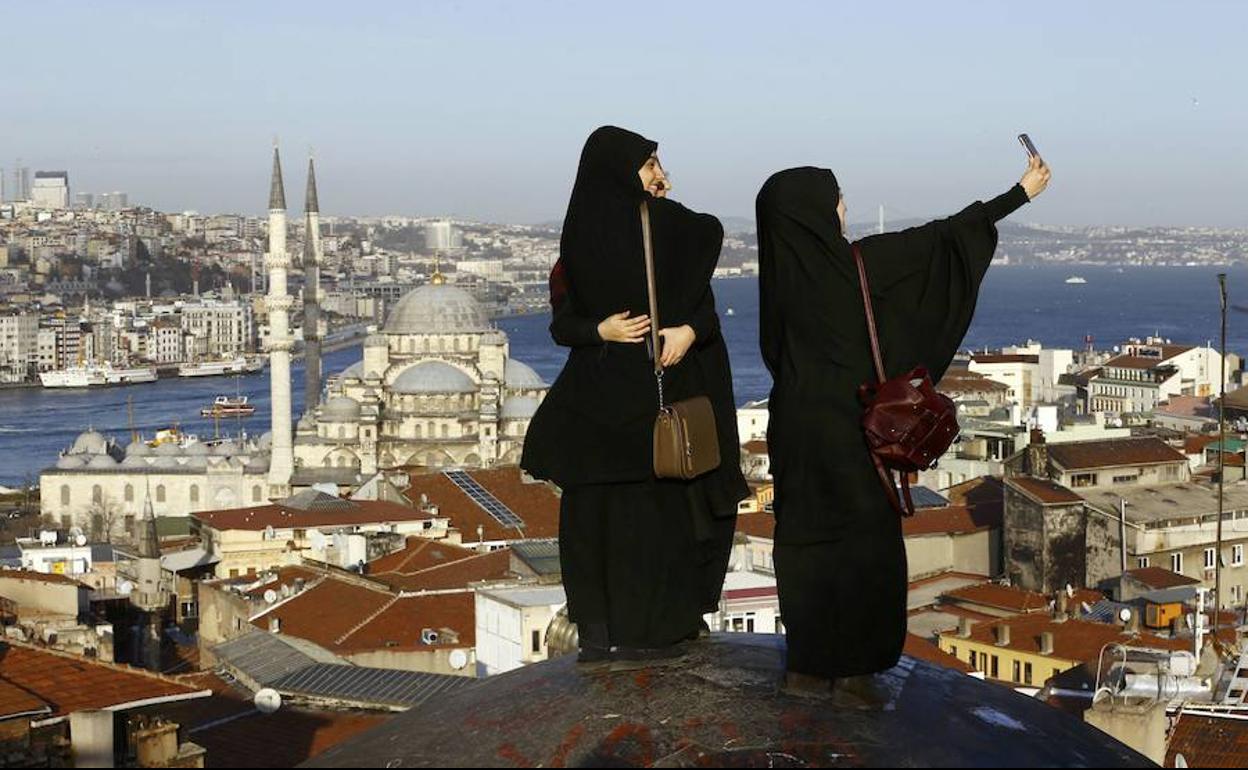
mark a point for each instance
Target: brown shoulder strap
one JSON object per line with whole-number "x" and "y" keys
{"x": 650, "y": 286}
{"x": 866, "y": 303}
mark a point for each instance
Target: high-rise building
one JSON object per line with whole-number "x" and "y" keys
{"x": 442, "y": 236}
{"x": 51, "y": 190}
{"x": 20, "y": 191}
{"x": 84, "y": 201}
{"x": 113, "y": 201}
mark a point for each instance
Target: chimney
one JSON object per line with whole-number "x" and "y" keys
{"x": 1060, "y": 613}
{"x": 964, "y": 628}
{"x": 275, "y": 625}
{"x": 91, "y": 738}
{"x": 156, "y": 743}
{"x": 1038, "y": 455}
{"x": 1046, "y": 642}
{"x": 1003, "y": 635}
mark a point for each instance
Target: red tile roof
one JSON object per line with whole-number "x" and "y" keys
{"x": 760, "y": 524}
{"x": 460, "y": 573}
{"x": 963, "y": 381}
{"x": 1043, "y": 491}
{"x": 419, "y": 553}
{"x": 1110, "y": 453}
{"x": 1208, "y": 741}
{"x": 286, "y": 576}
{"x": 918, "y": 647}
{"x": 536, "y": 503}
{"x": 71, "y": 683}
{"x": 952, "y": 520}
{"x": 1134, "y": 362}
{"x": 1194, "y": 445}
{"x": 40, "y": 577}
{"x": 17, "y": 701}
{"x": 1159, "y": 577}
{"x": 755, "y": 447}
{"x": 345, "y": 616}
{"x": 1079, "y": 640}
{"x": 281, "y": 517}
{"x": 999, "y": 597}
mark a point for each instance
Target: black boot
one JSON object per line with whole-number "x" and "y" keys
{"x": 595, "y": 643}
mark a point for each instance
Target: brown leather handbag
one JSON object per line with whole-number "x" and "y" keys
{"x": 907, "y": 422}
{"x": 686, "y": 441}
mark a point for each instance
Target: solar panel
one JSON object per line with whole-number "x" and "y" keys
{"x": 483, "y": 498}
{"x": 369, "y": 685}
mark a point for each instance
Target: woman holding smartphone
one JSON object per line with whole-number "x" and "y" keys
{"x": 839, "y": 556}
{"x": 638, "y": 553}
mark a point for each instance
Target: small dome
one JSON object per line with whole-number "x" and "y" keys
{"x": 520, "y": 375}
{"x": 225, "y": 448}
{"x": 266, "y": 440}
{"x": 134, "y": 461}
{"x": 257, "y": 464}
{"x": 437, "y": 309}
{"x": 353, "y": 372}
{"x": 89, "y": 443}
{"x": 166, "y": 461}
{"x": 198, "y": 461}
{"x": 433, "y": 377}
{"x": 102, "y": 462}
{"x": 519, "y": 408}
{"x": 138, "y": 449}
{"x": 65, "y": 462}
{"x": 339, "y": 409}
{"x": 198, "y": 449}
{"x": 168, "y": 450}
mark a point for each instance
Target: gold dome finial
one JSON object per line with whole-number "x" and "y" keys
{"x": 437, "y": 279}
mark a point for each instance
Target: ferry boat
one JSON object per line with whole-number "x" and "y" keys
{"x": 1076, "y": 279}
{"x": 228, "y": 406}
{"x": 240, "y": 365}
{"x": 96, "y": 376}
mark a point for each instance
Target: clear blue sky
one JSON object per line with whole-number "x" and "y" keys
{"x": 479, "y": 109}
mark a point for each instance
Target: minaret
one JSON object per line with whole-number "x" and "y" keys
{"x": 311, "y": 296}
{"x": 281, "y": 460}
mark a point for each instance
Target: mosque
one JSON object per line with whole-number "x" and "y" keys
{"x": 436, "y": 387}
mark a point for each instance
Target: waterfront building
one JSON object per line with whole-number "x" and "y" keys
{"x": 217, "y": 329}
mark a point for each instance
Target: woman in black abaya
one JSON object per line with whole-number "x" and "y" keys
{"x": 839, "y": 557}
{"x": 638, "y": 553}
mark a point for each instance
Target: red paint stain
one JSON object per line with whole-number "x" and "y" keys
{"x": 630, "y": 743}
{"x": 510, "y": 753}
{"x": 569, "y": 742}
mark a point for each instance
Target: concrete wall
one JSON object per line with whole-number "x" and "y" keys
{"x": 433, "y": 661}
{"x": 38, "y": 597}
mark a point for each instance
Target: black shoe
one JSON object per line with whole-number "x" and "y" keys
{"x": 633, "y": 658}
{"x": 595, "y": 646}
{"x": 866, "y": 692}
{"x": 809, "y": 686}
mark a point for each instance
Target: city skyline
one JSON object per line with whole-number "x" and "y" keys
{"x": 472, "y": 110}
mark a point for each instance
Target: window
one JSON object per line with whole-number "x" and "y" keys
{"x": 160, "y": 493}
{"x": 1018, "y": 671}
{"x": 1083, "y": 480}
{"x": 1130, "y": 478}
{"x": 996, "y": 667}
{"x": 1237, "y": 555}
{"x": 64, "y": 494}
{"x": 1237, "y": 594}
{"x": 537, "y": 640}
{"x": 1211, "y": 558}
{"x": 129, "y": 494}
{"x": 1176, "y": 563}
{"x": 1141, "y": 562}
{"x": 1026, "y": 673}
{"x": 256, "y": 494}
{"x": 194, "y": 493}
{"x": 970, "y": 658}
{"x": 953, "y": 650}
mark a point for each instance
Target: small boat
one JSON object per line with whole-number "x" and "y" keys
{"x": 1076, "y": 279}
{"x": 228, "y": 406}
{"x": 730, "y": 312}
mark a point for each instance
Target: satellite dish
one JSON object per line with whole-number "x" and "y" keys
{"x": 458, "y": 659}
{"x": 1124, "y": 615}
{"x": 270, "y": 596}
{"x": 75, "y": 532}
{"x": 1070, "y": 591}
{"x": 267, "y": 700}
{"x": 125, "y": 588}
{"x": 80, "y": 540}
{"x": 268, "y": 532}
{"x": 1180, "y": 760}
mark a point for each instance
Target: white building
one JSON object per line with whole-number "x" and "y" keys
{"x": 218, "y": 329}
{"x": 19, "y": 345}
{"x": 511, "y": 625}
{"x": 752, "y": 421}
{"x": 1147, "y": 373}
{"x": 51, "y": 190}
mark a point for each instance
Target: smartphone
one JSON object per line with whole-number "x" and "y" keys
{"x": 1028, "y": 146}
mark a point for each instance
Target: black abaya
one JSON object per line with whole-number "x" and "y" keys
{"x": 592, "y": 434}
{"x": 840, "y": 559}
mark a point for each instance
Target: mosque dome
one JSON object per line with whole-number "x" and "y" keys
{"x": 102, "y": 462}
{"x": 225, "y": 448}
{"x": 138, "y": 449}
{"x": 199, "y": 450}
{"x": 519, "y": 408}
{"x": 340, "y": 409}
{"x": 65, "y": 462}
{"x": 433, "y": 377}
{"x": 89, "y": 443}
{"x": 521, "y": 375}
{"x": 168, "y": 450}
{"x": 257, "y": 464}
{"x": 134, "y": 461}
{"x": 265, "y": 441}
{"x": 353, "y": 372}
{"x": 166, "y": 461}
{"x": 437, "y": 309}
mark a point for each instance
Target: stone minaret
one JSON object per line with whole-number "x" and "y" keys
{"x": 281, "y": 462}
{"x": 311, "y": 297}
